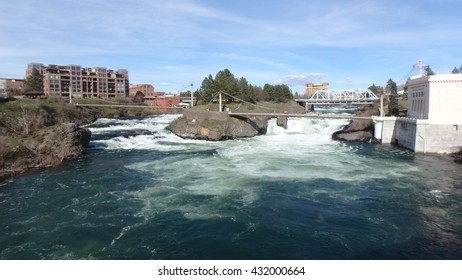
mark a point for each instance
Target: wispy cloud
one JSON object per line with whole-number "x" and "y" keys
{"x": 300, "y": 79}
{"x": 255, "y": 59}
{"x": 188, "y": 39}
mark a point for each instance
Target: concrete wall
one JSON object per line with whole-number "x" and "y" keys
{"x": 387, "y": 132}
{"x": 440, "y": 138}
{"x": 419, "y": 135}
{"x": 405, "y": 134}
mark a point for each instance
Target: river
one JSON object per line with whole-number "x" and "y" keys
{"x": 143, "y": 193}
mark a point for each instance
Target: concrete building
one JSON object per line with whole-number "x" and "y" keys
{"x": 436, "y": 98}
{"x": 434, "y": 120}
{"x": 81, "y": 82}
{"x": 310, "y": 89}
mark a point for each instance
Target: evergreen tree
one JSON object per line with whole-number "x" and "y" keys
{"x": 392, "y": 90}
{"x": 278, "y": 93}
{"x": 259, "y": 94}
{"x": 429, "y": 71}
{"x": 378, "y": 90}
{"x": 225, "y": 82}
{"x": 207, "y": 90}
{"x": 455, "y": 71}
{"x": 34, "y": 81}
{"x": 245, "y": 91}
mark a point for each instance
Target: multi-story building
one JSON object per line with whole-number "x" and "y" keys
{"x": 310, "y": 89}
{"x": 82, "y": 82}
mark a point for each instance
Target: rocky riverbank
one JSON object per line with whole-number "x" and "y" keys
{"x": 47, "y": 147}
{"x": 39, "y": 134}
{"x": 458, "y": 157}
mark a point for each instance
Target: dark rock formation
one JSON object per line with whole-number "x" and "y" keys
{"x": 47, "y": 147}
{"x": 282, "y": 122}
{"x": 358, "y": 130}
{"x": 215, "y": 126}
{"x": 457, "y": 156}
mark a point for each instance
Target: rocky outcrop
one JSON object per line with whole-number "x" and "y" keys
{"x": 358, "y": 130}
{"x": 458, "y": 157}
{"x": 216, "y": 126}
{"x": 61, "y": 142}
{"x": 47, "y": 147}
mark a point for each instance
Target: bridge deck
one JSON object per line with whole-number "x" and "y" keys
{"x": 126, "y": 106}
{"x": 300, "y": 116}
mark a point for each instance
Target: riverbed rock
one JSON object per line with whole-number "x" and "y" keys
{"x": 281, "y": 121}
{"x": 217, "y": 126}
{"x": 358, "y": 130}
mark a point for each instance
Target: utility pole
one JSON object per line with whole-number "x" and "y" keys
{"x": 219, "y": 102}
{"x": 381, "y": 104}
{"x": 192, "y": 96}
{"x": 70, "y": 93}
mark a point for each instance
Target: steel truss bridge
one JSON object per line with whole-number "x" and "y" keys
{"x": 340, "y": 97}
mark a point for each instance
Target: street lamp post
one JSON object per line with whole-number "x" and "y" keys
{"x": 192, "y": 96}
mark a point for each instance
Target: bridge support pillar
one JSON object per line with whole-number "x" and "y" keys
{"x": 309, "y": 107}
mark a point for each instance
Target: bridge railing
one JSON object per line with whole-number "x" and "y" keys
{"x": 343, "y": 96}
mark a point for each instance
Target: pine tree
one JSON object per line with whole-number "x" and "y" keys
{"x": 392, "y": 89}
{"x": 34, "y": 81}
{"x": 429, "y": 71}
{"x": 455, "y": 70}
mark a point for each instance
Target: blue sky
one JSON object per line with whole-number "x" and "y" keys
{"x": 173, "y": 43}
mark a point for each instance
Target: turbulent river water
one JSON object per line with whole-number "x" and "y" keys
{"x": 143, "y": 193}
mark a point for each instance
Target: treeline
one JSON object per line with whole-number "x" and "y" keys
{"x": 457, "y": 70}
{"x": 225, "y": 82}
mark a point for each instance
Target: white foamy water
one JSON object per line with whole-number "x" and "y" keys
{"x": 143, "y": 193}
{"x": 230, "y": 169}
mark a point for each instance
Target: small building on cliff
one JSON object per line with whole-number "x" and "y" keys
{"x": 434, "y": 120}
{"x": 311, "y": 88}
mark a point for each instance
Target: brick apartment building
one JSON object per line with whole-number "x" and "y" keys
{"x": 82, "y": 82}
